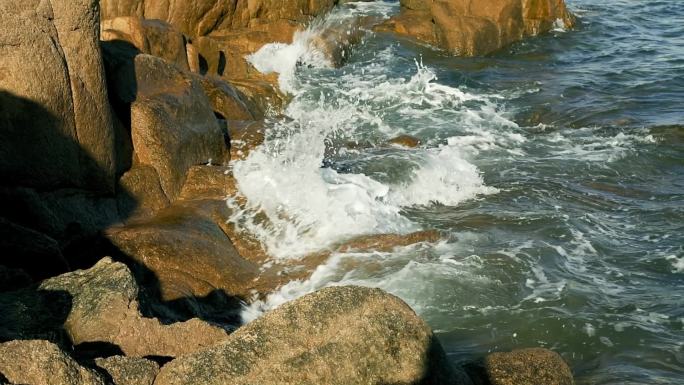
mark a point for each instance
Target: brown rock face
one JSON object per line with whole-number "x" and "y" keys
{"x": 104, "y": 308}
{"x": 129, "y": 370}
{"x": 173, "y": 126}
{"x": 153, "y": 37}
{"x": 42, "y": 362}
{"x": 534, "y": 366}
{"x": 405, "y": 141}
{"x": 57, "y": 128}
{"x": 188, "y": 253}
{"x": 472, "y": 28}
{"x": 201, "y": 17}
{"x": 340, "y": 335}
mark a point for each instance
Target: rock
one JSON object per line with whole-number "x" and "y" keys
{"x": 228, "y": 103}
{"x": 57, "y": 129}
{"x": 201, "y": 17}
{"x": 339, "y": 335}
{"x": 245, "y": 136}
{"x": 129, "y": 370}
{"x": 407, "y": 141}
{"x": 42, "y": 362}
{"x": 105, "y": 309}
{"x": 144, "y": 194}
{"x": 188, "y": 254}
{"x": 535, "y": 366}
{"x": 468, "y": 28}
{"x": 13, "y": 279}
{"x": 173, "y": 125}
{"x": 153, "y": 37}
{"x": 39, "y": 254}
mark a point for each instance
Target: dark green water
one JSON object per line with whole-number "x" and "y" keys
{"x": 555, "y": 170}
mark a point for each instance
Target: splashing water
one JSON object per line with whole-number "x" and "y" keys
{"x": 553, "y": 169}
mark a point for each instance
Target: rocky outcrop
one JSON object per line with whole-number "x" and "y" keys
{"x": 201, "y": 17}
{"x": 341, "y": 335}
{"x": 42, "y": 362}
{"x": 473, "y": 28}
{"x": 57, "y": 128}
{"x": 153, "y": 37}
{"x": 535, "y": 366}
{"x": 129, "y": 370}
{"x": 99, "y": 306}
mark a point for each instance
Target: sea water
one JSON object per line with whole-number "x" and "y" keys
{"x": 554, "y": 170}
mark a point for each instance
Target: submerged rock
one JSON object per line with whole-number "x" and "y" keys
{"x": 129, "y": 370}
{"x": 42, "y": 362}
{"x": 535, "y": 366}
{"x": 473, "y": 28}
{"x": 339, "y": 335}
{"x": 407, "y": 141}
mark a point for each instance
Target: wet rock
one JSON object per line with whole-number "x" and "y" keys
{"x": 153, "y": 37}
{"x": 188, "y": 254}
{"x": 42, "y": 362}
{"x": 129, "y": 370}
{"x": 340, "y": 335}
{"x": 469, "y": 28}
{"x": 144, "y": 194}
{"x": 535, "y": 366}
{"x": 104, "y": 309}
{"x": 57, "y": 129}
{"x": 204, "y": 16}
{"x": 173, "y": 125}
{"x": 245, "y": 136}
{"x": 227, "y": 102}
{"x": 407, "y": 141}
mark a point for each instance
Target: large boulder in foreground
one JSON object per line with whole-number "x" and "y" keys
{"x": 473, "y": 28}
{"x": 534, "y": 366}
{"x": 339, "y": 335}
{"x": 56, "y": 128}
{"x": 42, "y": 362}
{"x": 98, "y": 306}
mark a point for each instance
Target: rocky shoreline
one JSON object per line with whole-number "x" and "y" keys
{"x": 118, "y": 261}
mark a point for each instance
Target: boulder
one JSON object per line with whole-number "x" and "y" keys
{"x": 227, "y": 102}
{"x": 173, "y": 126}
{"x": 39, "y": 254}
{"x": 144, "y": 194}
{"x": 153, "y": 37}
{"x": 473, "y": 28}
{"x": 535, "y": 366}
{"x": 187, "y": 253}
{"x": 339, "y": 335}
{"x": 42, "y": 362}
{"x": 57, "y": 129}
{"x": 105, "y": 309}
{"x": 129, "y": 370}
{"x": 199, "y": 18}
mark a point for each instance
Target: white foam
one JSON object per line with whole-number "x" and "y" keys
{"x": 677, "y": 263}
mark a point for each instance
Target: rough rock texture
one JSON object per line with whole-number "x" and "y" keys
{"x": 226, "y": 100}
{"x": 535, "y": 366}
{"x": 129, "y": 370}
{"x": 471, "y": 28}
{"x": 145, "y": 194}
{"x": 104, "y": 308}
{"x": 153, "y": 37}
{"x": 340, "y": 335}
{"x": 201, "y": 17}
{"x": 42, "y": 362}
{"x": 188, "y": 253}
{"x": 173, "y": 126}
{"x": 57, "y": 128}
